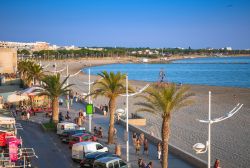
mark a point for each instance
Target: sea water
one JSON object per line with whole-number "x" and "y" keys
{"x": 214, "y": 71}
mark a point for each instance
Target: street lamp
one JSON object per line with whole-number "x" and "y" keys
{"x": 201, "y": 148}
{"x": 130, "y": 95}
{"x": 89, "y": 100}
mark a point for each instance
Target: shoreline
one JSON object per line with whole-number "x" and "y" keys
{"x": 185, "y": 130}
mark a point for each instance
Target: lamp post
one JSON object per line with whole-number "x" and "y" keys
{"x": 89, "y": 83}
{"x": 67, "y": 83}
{"x": 130, "y": 95}
{"x": 201, "y": 148}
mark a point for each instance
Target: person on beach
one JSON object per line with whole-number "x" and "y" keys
{"x": 141, "y": 164}
{"x": 150, "y": 165}
{"x": 137, "y": 146}
{"x": 134, "y": 138}
{"x": 159, "y": 149}
{"x": 145, "y": 146}
{"x": 217, "y": 163}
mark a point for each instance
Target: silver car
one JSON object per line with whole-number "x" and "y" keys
{"x": 110, "y": 162}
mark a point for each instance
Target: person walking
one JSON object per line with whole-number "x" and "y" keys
{"x": 159, "y": 149}
{"x": 134, "y": 138}
{"x": 100, "y": 132}
{"x": 141, "y": 164}
{"x": 141, "y": 138}
{"x": 28, "y": 116}
{"x": 217, "y": 163}
{"x": 150, "y": 165}
{"x": 137, "y": 146}
{"x": 145, "y": 146}
{"x": 115, "y": 132}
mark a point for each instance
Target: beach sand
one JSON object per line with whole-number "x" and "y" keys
{"x": 230, "y": 141}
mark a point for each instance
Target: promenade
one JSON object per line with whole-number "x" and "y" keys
{"x": 99, "y": 120}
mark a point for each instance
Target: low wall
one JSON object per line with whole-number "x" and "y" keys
{"x": 138, "y": 121}
{"x": 193, "y": 160}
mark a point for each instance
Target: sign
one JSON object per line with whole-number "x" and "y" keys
{"x": 13, "y": 151}
{"x": 89, "y": 109}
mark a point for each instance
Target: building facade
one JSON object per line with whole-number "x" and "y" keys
{"x": 8, "y": 60}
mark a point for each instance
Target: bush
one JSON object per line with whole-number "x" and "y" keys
{"x": 49, "y": 126}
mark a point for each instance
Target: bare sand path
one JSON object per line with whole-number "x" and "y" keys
{"x": 230, "y": 138}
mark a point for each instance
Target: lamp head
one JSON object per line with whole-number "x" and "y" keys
{"x": 199, "y": 147}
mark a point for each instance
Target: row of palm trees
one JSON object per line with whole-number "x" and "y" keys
{"x": 160, "y": 99}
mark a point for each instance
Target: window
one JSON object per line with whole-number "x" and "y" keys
{"x": 110, "y": 165}
{"x": 100, "y": 165}
{"x": 98, "y": 146}
{"x": 116, "y": 164}
{"x": 122, "y": 163}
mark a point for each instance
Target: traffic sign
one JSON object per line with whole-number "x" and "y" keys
{"x": 89, "y": 109}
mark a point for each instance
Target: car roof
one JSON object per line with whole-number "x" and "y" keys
{"x": 96, "y": 154}
{"x": 85, "y": 143}
{"x": 80, "y": 134}
{"x": 107, "y": 159}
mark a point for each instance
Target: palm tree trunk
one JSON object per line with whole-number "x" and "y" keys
{"x": 112, "y": 107}
{"x": 165, "y": 138}
{"x": 55, "y": 110}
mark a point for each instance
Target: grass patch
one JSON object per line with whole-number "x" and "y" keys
{"x": 49, "y": 126}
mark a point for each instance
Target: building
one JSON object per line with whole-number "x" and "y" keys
{"x": 37, "y": 46}
{"x": 8, "y": 60}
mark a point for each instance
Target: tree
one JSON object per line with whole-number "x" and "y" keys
{"x": 35, "y": 73}
{"x": 53, "y": 88}
{"x": 164, "y": 99}
{"x": 110, "y": 85}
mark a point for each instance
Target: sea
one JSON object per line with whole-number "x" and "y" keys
{"x": 212, "y": 71}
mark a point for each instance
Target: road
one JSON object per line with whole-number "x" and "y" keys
{"x": 48, "y": 147}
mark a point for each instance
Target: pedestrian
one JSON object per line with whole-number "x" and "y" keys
{"x": 150, "y": 165}
{"x": 79, "y": 121}
{"x": 95, "y": 131}
{"x": 159, "y": 149}
{"x": 60, "y": 117}
{"x": 67, "y": 117}
{"x": 141, "y": 138}
{"x": 100, "y": 132}
{"x": 145, "y": 146}
{"x": 217, "y": 163}
{"x": 28, "y": 116}
{"x": 137, "y": 146}
{"x": 141, "y": 164}
{"x": 134, "y": 137}
{"x": 115, "y": 132}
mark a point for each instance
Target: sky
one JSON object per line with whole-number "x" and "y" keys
{"x": 128, "y": 23}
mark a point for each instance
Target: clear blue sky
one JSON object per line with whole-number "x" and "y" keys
{"x": 128, "y": 23}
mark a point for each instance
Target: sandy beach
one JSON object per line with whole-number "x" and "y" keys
{"x": 230, "y": 138}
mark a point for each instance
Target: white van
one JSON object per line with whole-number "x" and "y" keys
{"x": 63, "y": 126}
{"x": 79, "y": 150}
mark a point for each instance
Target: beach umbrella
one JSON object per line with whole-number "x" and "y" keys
{"x": 16, "y": 98}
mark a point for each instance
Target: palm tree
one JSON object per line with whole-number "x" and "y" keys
{"x": 164, "y": 99}
{"x": 54, "y": 89}
{"x": 35, "y": 73}
{"x": 110, "y": 85}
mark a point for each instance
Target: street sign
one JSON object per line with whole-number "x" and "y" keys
{"x": 89, "y": 109}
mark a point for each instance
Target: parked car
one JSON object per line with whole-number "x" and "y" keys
{"x": 79, "y": 150}
{"x": 81, "y": 138}
{"x": 63, "y": 126}
{"x": 90, "y": 158}
{"x": 65, "y": 136}
{"x": 110, "y": 162}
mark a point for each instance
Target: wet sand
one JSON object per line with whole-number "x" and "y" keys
{"x": 230, "y": 138}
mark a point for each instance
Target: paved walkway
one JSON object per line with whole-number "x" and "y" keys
{"x": 103, "y": 121}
